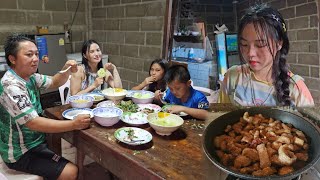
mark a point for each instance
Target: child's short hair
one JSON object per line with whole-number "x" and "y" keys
{"x": 177, "y": 72}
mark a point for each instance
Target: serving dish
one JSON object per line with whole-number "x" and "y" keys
{"x": 133, "y": 136}
{"x": 218, "y": 125}
{"x": 73, "y": 112}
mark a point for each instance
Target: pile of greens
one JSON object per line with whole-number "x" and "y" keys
{"x": 128, "y": 106}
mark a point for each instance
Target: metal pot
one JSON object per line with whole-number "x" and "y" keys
{"x": 217, "y": 126}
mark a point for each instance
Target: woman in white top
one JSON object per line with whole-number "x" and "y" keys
{"x": 86, "y": 80}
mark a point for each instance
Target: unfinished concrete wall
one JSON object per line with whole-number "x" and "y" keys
{"x": 24, "y": 15}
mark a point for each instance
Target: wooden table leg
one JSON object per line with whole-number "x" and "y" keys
{"x": 54, "y": 143}
{"x": 79, "y": 161}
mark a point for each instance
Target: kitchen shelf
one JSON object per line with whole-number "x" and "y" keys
{"x": 193, "y": 39}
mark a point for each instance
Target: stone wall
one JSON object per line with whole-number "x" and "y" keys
{"x": 130, "y": 32}
{"x": 302, "y": 19}
{"x": 24, "y": 15}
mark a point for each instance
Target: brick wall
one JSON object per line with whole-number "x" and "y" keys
{"x": 24, "y": 15}
{"x": 302, "y": 18}
{"x": 130, "y": 32}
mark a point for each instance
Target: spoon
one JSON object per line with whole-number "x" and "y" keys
{"x": 63, "y": 71}
{"x": 133, "y": 141}
{"x": 162, "y": 101}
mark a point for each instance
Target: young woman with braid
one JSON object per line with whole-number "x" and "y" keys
{"x": 264, "y": 79}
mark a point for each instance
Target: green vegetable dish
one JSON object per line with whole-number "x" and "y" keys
{"x": 128, "y": 106}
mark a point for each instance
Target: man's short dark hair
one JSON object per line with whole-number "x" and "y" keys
{"x": 11, "y": 46}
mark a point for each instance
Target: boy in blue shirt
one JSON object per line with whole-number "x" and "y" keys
{"x": 181, "y": 94}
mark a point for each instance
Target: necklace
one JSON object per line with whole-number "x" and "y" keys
{"x": 255, "y": 101}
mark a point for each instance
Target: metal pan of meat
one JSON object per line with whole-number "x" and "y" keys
{"x": 262, "y": 143}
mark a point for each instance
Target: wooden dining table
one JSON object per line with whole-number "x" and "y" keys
{"x": 178, "y": 156}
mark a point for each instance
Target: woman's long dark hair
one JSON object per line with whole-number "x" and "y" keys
{"x": 161, "y": 84}
{"x": 269, "y": 23}
{"x": 85, "y": 48}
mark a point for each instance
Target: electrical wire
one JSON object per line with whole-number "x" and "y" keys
{"x": 74, "y": 16}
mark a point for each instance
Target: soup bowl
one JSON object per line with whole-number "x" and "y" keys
{"x": 164, "y": 123}
{"x": 81, "y": 101}
{"x": 114, "y": 93}
{"x": 107, "y": 116}
{"x": 143, "y": 97}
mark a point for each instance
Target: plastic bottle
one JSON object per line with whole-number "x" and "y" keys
{"x": 191, "y": 54}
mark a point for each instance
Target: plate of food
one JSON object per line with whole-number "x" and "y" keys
{"x": 107, "y": 103}
{"x": 136, "y": 114}
{"x": 149, "y": 108}
{"x": 73, "y": 112}
{"x": 128, "y": 106}
{"x": 134, "y": 119}
{"x": 166, "y": 107}
{"x": 97, "y": 96}
{"x": 133, "y": 136}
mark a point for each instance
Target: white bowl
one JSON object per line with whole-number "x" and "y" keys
{"x": 107, "y": 116}
{"x": 114, "y": 93}
{"x": 195, "y": 33}
{"x": 81, "y": 101}
{"x": 165, "y": 126}
{"x": 138, "y": 97}
{"x": 107, "y": 103}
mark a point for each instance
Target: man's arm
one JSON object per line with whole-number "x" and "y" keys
{"x": 46, "y": 125}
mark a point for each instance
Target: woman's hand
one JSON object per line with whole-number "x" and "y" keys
{"x": 108, "y": 76}
{"x": 81, "y": 121}
{"x": 149, "y": 80}
{"x": 97, "y": 82}
{"x": 109, "y": 66}
{"x": 73, "y": 64}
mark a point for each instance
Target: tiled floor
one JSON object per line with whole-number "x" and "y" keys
{"x": 92, "y": 170}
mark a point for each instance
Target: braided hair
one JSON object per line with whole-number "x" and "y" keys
{"x": 268, "y": 22}
{"x": 85, "y": 48}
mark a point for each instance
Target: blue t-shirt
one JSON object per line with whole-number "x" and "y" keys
{"x": 196, "y": 99}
